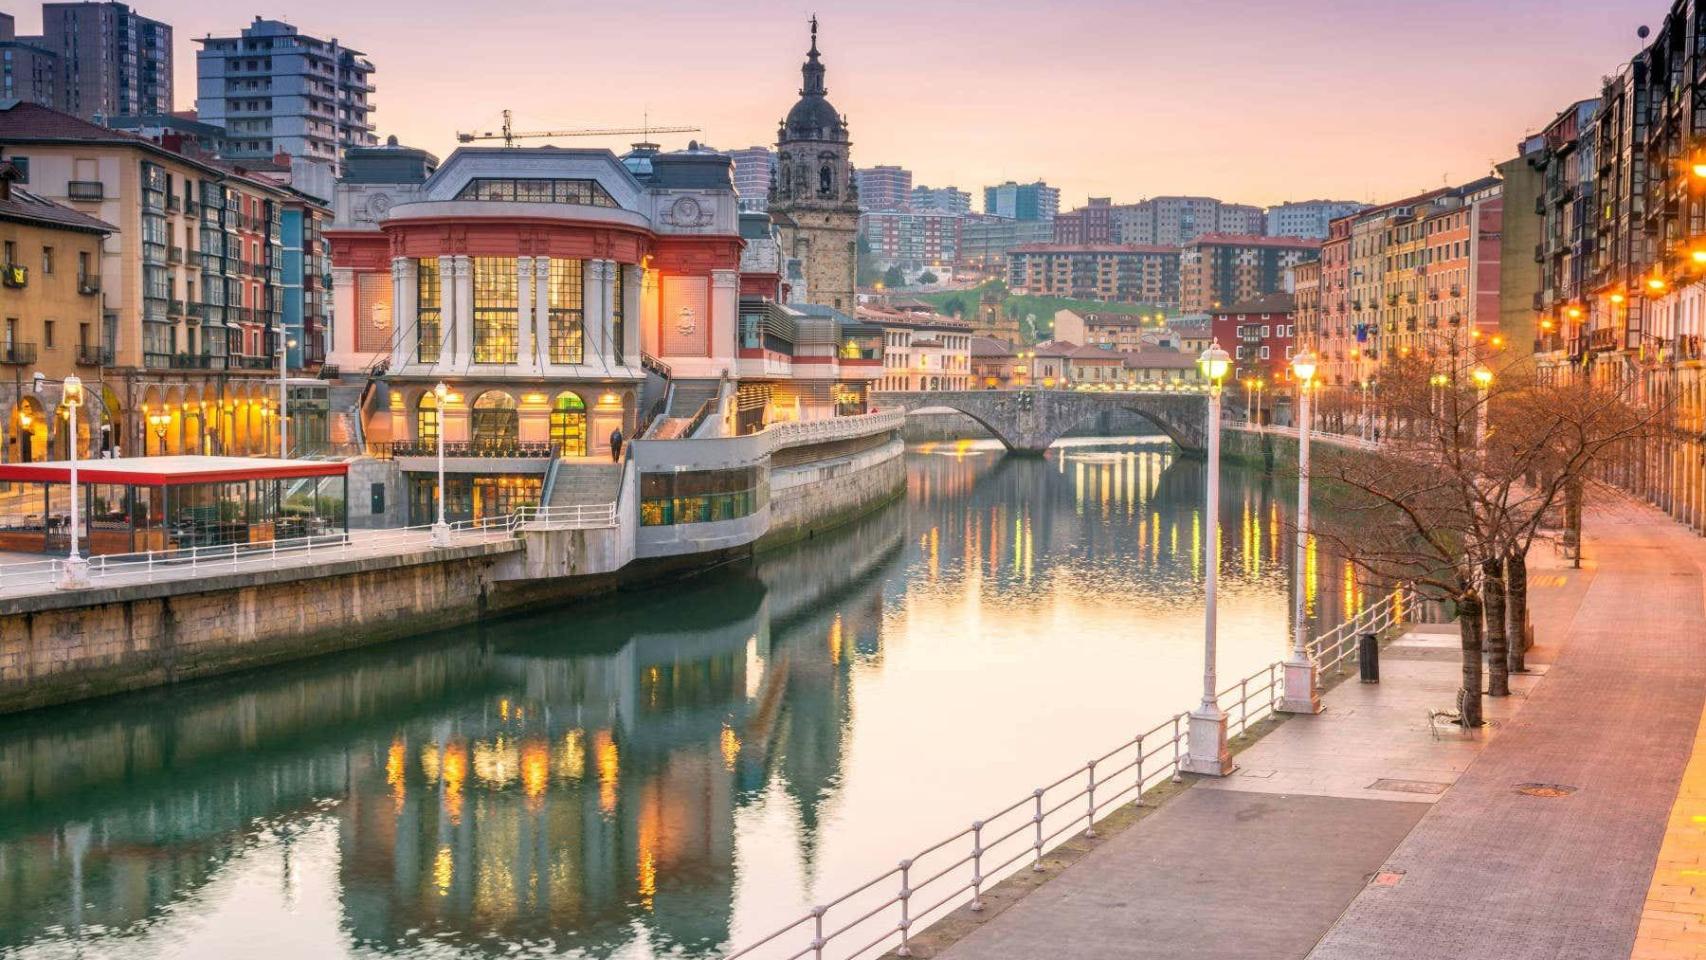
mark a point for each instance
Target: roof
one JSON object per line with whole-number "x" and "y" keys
{"x": 1091, "y": 352}
{"x": 170, "y": 471}
{"x": 895, "y": 318}
{"x": 1112, "y": 319}
{"x": 24, "y": 122}
{"x": 1068, "y": 248}
{"x": 1159, "y": 359}
{"x": 990, "y": 347}
{"x": 26, "y": 207}
{"x": 1266, "y": 303}
{"x": 1191, "y": 330}
{"x": 1055, "y": 348}
{"x": 1252, "y": 240}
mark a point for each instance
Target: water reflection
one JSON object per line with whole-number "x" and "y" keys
{"x": 662, "y": 773}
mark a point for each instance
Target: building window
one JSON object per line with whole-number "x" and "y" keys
{"x": 494, "y": 310}
{"x": 426, "y": 418}
{"x": 618, "y": 312}
{"x": 588, "y": 193}
{"x": 701, "y": 496}
{"x": 428, "y": 309}
{"x": 47, "y": 261}
{"x": 495, "y": 421}
{"x": 568, "y": 425}
{"x": 566, "y": 313}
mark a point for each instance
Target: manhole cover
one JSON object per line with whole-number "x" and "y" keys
{"x": 1547, "y": 790}
{"x": 1408, "y": 786}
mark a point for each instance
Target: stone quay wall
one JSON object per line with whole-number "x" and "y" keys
{"x": 60, "y": 647}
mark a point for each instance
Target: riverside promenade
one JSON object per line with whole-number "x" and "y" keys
{"x": 1565, "y": 829}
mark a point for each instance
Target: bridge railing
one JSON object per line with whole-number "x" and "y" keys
{"x": 886, "y": 911}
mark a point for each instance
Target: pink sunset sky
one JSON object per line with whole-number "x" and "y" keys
{"x": 1247, "y": 100}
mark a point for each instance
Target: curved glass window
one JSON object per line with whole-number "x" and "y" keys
{"x": 702, "y": 496}
{"x": 428, "y": 303}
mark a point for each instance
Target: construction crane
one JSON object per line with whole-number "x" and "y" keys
{"x": 509, "y": 135}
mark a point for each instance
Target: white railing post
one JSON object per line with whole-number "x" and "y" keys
{"x": 976, "y": 866}
{"x": 905, "y": 949}
{"x": 1090, "y": 814}
{"x": 817, "y": 933}
{"x": 1139, "y": 770}
{"x": 1037, "y": 818}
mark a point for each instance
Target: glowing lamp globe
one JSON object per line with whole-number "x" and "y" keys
{"x": 1214, "y": 363}
{"x": 1303, "y": 364}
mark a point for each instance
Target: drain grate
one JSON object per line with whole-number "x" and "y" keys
{"x": 1548, "y": 791}
{"x": 1408, "y": 786}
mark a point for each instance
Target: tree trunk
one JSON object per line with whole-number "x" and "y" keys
{"x": 1573, "y": 521}
{"x": 1469, "y": 629}
{"x": 1493, "y": 615}
{"x": 1516, "y": 609}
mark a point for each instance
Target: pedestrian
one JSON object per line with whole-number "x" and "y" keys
{"x": 616, "y": 444}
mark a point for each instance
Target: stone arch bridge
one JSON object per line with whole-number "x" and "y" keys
{"x": 1029, "y": 421}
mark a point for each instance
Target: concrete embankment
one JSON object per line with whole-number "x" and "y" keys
{"x": 62, "y": 646}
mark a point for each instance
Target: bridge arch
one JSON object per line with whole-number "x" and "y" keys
{"x": 1030, "y": 421}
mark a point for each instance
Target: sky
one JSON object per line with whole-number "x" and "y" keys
{"x": 1251, "y": 101}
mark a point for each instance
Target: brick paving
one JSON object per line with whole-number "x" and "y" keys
{"x": 1495, "y": 873}
{"x": 1316, "y": 847}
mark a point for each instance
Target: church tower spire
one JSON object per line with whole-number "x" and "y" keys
{"x": 814, "y": 197}
{"x": 812, "y": 69}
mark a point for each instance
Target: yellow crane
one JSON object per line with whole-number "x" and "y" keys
{"x": 509, "y": 135}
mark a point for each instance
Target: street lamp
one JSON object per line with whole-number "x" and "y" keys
{"x": 284, "y": 346}
{"x": 1302, "y": 694}
{"x": 440, "y": 529}
{"x": 76, "y": 571}
{"x": 158, "y": 421}
{"x": 1483, "y": 378}
{"x": 1208, "y": 753}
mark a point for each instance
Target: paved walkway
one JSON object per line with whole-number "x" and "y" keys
{"x": 1357, "y": 834}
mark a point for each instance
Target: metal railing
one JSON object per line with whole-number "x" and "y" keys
{"x": 1335, "y": 649}
{"x": 1316, "y": 435}
{"x": 151, "y": 565}
{"x": 486, "y": 449}
{"x": 886, "y": 911}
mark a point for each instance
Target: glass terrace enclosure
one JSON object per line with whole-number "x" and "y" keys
{"x": 170, "y": 503}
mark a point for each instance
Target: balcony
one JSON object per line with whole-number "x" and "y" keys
{"x": 197, "y": 361}
{"x": 88, "y": 286}
{"x": 175, "y": 307}
{"x": 245, "y": 362}
{"x": 86, "y": 190}
{"x": 173, "y": 204}
{"x": 15, "y": 276}
{"x": 174, "y": 254}
{"x": 18, "y": 354}
{"x": 93, "y": 355}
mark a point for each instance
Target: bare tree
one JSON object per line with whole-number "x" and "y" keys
{"x": 1476, "y": 454}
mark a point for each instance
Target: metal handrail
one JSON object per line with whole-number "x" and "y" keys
{"x": 330, "y": 546}
{"x": 884, "y": 912}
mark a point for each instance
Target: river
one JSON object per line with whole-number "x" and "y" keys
{"x": 664, "y": 772}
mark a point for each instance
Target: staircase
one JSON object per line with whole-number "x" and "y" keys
{"x": 684, "y": 405}
{"x": 581, "y": 483}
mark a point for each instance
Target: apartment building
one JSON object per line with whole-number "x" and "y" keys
{"x": 277, "y": 90}
{"x": 1119, "y": 273}
{"x": 1217, "y": 270}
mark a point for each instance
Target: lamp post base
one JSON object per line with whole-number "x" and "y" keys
{"x": 441, "y": 534}
{"x": 1208, "y": 754}
{"x": 74, "y": 575}
{"x": 1302, "y": 689}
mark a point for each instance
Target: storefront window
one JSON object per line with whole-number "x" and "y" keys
{"x": 494, "y": 310}
{"x": 566, "y": 312}
{"x": 428, "y": 293}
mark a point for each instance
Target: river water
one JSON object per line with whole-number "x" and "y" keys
{"x": 665, "y": 772}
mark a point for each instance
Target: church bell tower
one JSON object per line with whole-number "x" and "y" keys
{"x": 814, "y": 199}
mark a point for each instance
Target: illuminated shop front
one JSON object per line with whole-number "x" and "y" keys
{"x": 171, "y": 502}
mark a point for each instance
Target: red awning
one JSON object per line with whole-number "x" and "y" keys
{"x": 170, "y": 471}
